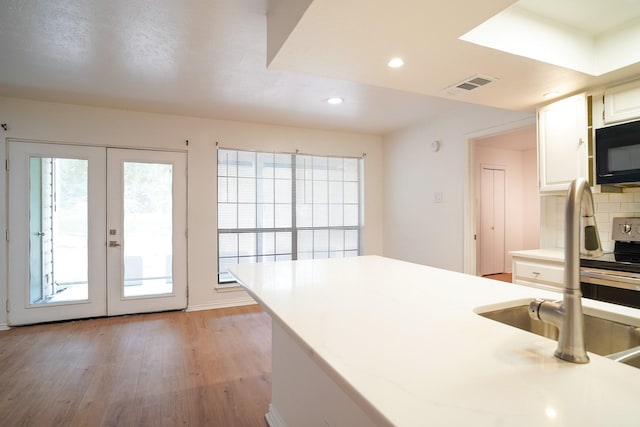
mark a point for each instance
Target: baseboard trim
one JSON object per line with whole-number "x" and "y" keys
{"x": 235, "y": 302}
{"x": 4, "y": 327}
{"x": 273, "y": 417}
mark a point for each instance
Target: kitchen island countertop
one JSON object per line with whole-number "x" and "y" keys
{"x": 405, "y": 342}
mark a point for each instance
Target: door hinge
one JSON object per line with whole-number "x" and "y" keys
{"x": 6, "y": 305}
{"x": 475, "y": 237}
{"x": 6, "y": 235}
{"x": 6, "y": 165}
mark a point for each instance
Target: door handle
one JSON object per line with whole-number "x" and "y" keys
{"x": 39, "y": 233}
{"x": 113, "y": 244}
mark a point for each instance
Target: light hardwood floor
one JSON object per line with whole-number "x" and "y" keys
{"x": 204, "y": 368}
{"x": 503, "y": 277}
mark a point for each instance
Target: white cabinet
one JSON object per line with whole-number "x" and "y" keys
{"x": 562, "y": 143}
{"x": 539, "y": 268}
{"x": 622, "y": 103}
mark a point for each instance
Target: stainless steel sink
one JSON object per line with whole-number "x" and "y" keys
{"x": 603, "y": 336}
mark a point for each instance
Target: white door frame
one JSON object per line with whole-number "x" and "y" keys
{"x": 117, "y": 303}
{"x": 21, "y": 310}
{"x": 470, "y": 208}
{"x": 99, "y": 251}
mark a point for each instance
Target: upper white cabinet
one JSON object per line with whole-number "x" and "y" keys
{"x": 622, "y": 102}
{"x": 562, "y": 143}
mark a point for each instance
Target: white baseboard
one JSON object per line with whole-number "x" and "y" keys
{"x": 273, "y": 417}
{"x": 4, "y": 327}
{"x": 235, "y": 302}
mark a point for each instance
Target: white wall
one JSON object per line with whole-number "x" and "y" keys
{"x": 52, "y": 122}
{"x": 416, "y": 228}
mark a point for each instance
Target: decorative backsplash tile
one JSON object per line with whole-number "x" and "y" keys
{"x": 608, "y": 206}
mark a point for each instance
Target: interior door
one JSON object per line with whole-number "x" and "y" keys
{"x": 94, "y": 231}
{"x": 492, "y": 221}
{"x": 146, "y": 231}
{"x": 56, "y": 266}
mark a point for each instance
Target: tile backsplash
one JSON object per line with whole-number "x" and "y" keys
{"x": 608, "y": 206}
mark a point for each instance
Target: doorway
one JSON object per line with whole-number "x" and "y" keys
{"x": 94, "y": 231}
{"x": 513, "y": 148}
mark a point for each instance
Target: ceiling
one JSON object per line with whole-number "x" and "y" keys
{"x": 208, "y": 58}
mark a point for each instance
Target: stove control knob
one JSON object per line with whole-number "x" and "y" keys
{"x": 625, "y": 228}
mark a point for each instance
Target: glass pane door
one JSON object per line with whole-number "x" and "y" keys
{"x": 95, "y": 231}
{"x": 148, "y": 228}
{"x": 58, "y": 230}
{"x": 146, "y": 234}
{"x": 53, "y": 226}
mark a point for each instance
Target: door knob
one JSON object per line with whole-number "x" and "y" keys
{"x": 113, "y": 244}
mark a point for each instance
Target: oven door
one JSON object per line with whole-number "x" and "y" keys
{"x": 618, "y": 287}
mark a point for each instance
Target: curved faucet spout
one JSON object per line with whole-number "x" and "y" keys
{"x": 567, "y": 315}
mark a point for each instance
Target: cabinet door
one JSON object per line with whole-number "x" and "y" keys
{"x": 562, "y": 142}
{"x": 622, "y": 103}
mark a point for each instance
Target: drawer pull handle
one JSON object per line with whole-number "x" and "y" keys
{"x": 535, "y": 273}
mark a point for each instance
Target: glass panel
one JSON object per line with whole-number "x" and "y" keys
{"x": 283, "y": 166}
{"x": 148, "y": 229}
{"x": 247, "y": 244}
{"x": 265, "y": 191}
{"x": 320, "y": 241}
{"x": 283, "y": 216}
{"x": 351, "y": 169}
{"x": 335, "y": 192}
{"x": 228, "y": 245}
{"x": 283, "y": 244}
{"x": 265, "y": 165}
{"x": 336, "y": 215}
{"x": 266, "y": 244}
{"x": 58, "y": 226}
{"x": 336, "y": 240}
{"x": 246, "y": 190}
{"x": 320, "y": 215}
{"x": 351, "y": 240}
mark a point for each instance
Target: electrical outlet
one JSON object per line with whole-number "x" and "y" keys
{"x": 437, "y": 197}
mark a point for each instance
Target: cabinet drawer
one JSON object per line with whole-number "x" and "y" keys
{"x": 540, "y": 273}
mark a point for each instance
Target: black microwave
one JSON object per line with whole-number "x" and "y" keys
{"x": 618, "y": 154}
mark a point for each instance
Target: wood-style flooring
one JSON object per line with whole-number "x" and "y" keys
{"x": 203, "y": 368}
{"x": 503, "y": 277}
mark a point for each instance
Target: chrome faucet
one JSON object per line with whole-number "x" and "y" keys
{"x": 567, "y": 315}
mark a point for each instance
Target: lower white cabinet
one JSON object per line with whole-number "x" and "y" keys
{"x": 539, "y": 268}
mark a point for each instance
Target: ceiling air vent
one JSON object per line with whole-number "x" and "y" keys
{"x": 468, "y": 85}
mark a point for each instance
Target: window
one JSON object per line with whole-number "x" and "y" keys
{"x": 274, "y": 207}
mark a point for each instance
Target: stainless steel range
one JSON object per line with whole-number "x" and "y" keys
{"x": 615, "y": 277}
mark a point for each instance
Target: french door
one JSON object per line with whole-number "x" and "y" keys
{"x": 94, "y": 231}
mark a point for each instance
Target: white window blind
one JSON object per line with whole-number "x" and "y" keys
{"x": 276, "y": 206}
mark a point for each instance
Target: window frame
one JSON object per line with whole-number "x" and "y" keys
{"x": 294, "y": 229}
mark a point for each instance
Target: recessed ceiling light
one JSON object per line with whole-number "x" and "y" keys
{"x": 335, "y": 100}
{"x": 551, "y": 94}
{"x": 395, "y": 63}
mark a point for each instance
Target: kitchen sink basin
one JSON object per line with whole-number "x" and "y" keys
{"x": 602, "y": 336}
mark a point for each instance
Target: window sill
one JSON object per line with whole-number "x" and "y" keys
{"x": 228, "y": 288}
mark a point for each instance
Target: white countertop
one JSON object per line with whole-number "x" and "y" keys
{"x": 406, "y": 339}
{"x": 551, "y": 254}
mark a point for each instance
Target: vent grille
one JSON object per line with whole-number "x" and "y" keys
{"x": 468, "y": 85}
